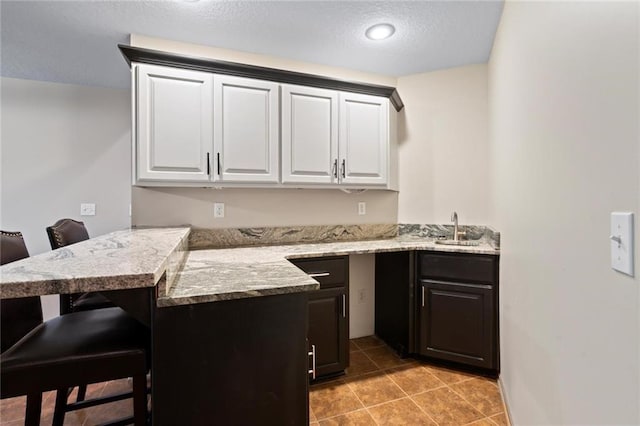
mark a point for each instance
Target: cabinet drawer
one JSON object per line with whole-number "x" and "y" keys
{"x": 328, "y": 271}
{"x": 469, "y": 268}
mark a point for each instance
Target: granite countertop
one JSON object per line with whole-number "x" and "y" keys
{"x": 234, "y": 273}
{"x": 131, "y": 258}
{"x": 138, "y": 258}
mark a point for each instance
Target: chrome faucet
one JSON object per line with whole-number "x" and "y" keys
{"x": 454, "y": 219}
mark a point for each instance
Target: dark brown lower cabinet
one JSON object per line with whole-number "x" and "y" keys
{"x": 328, "y": 331}
{"x": 458, "y": 308}
{"x": 457, "y": 322}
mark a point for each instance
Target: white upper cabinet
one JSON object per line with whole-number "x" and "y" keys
{"x": 364, "y": 139}
{"x": 246, "y": 130}
{"x": 173, "y": 124}
{"x": 194, "y": 128}
{"x": 309, "y": 135}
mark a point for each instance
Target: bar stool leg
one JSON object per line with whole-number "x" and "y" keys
{"x": 34, "y": 407}
{"x": 140, "y": 400}
{"x": 60, "y": 408}
{"x": 82, "y": 392}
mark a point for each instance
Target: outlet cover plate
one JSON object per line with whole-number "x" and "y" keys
{"x": 87, "y": 209}
{"x": 218, "y": 210}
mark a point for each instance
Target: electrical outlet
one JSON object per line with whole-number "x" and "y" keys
{"x": 87, "y": 209}
{"x": 218, "y": 210}
{"x": 361, "y": 296}
{"x": 362, "y": 208}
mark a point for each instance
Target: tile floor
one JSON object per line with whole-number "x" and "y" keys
{"x": 379, "y": 388}
{"x": 12, "y": 409}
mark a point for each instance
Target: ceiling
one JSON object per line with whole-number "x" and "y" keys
{"x": 75, "y": 41}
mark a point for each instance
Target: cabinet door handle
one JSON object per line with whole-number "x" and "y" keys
{"x": 219, "y": 167}
{"x": 319, "y": 274}
{"x": 344, "y": 306}
{"x": 423, "y": 295}
{"x": 208, "y": 164}
{"x": 344, "y": 167}
{"x": 312, "y": 354}
{"x": 335, "y": 168}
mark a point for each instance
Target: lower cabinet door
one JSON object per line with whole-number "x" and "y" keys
{"x": 328, "y": 332}
{"x": 457, "y": 323}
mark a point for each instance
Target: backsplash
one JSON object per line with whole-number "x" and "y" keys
{"x": 208, "y": 238}
{"x": 473, "y": 232}
{"x": 205, "y": 238}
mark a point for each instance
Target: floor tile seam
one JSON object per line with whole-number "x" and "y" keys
{"x": 393, "y": 381}
{"x": 422, "y": 409}
{"x": 492, "y": 421}
{"x": 355, "y": 394}
{"x": 430, "y": 390}
{"x": 469, "y": 402}
{"x": 498, "y": 414}
{"x": 374, "y": 347}
{"x": 428, "y": 372}
{"x": 373, "y": 418}
{"x": 477, "y": 420}
{"x": 371, "y": 359}
{"x": 338, "y": 415}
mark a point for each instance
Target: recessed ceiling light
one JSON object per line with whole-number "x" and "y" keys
{"x": 380, "y": 31}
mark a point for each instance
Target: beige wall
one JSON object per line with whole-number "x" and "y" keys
{"x": 259, "y": 207}
{"x": 565, "y": 153}
{"x": 63, "y": 145}
{"x": 443, "y": 146}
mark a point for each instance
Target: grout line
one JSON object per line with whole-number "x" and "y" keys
{"x": 411, "y": 399}
{"x": 365, "y": 407}
{"x": 492, "y": 421}
{"x": 469, "y": 402}
{"x": 422, "y": 409}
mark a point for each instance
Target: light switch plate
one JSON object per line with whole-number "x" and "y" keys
{"x": 622, "y": 242}
{"x": 87, "y": 209}
{"x": 362, "y": 208}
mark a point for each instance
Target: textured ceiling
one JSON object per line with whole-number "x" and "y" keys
{"x": 75, "y": 41}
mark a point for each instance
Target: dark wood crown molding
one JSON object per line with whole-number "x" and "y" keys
{"x": 157, "y": 57}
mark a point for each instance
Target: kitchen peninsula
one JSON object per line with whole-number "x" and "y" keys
{"x": 229, "y": 325}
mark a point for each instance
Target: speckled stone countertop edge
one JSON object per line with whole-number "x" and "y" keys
{"x": 120, "y": 260}
{"x": 234, "y": 295}
{"x": 241, "y": 272}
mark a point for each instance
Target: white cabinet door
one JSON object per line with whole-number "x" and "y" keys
{"x": 246, "y": 130}
{"x": 309, "y": 135}
{"x": 364, "y": 139}
{"x": 174, "y": 124}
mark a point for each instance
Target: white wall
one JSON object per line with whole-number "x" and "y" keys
{"x": 443, "y": 146}
{"x": 361, "y": 282}
{"x": 565, "y": 152}
{"x": 63, "y": 145}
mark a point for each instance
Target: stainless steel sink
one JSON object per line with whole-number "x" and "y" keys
{"x": 458, "y": 242}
